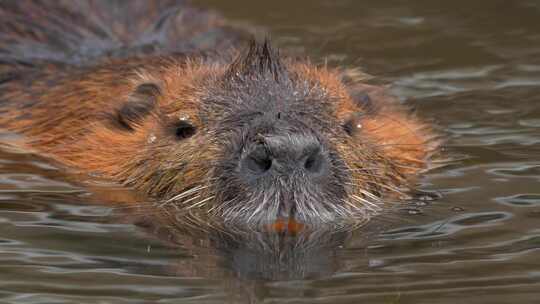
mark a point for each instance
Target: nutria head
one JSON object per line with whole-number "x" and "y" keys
{"x": 245, "y": 142}
{"x": 279, "y": 137}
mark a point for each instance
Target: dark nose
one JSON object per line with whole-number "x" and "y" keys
{"x": 286, "y": 154}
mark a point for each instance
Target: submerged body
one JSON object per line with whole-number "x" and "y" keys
{"x": 243, "y": 138}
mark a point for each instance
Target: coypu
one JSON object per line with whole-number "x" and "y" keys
{"x": 132, "y": 92}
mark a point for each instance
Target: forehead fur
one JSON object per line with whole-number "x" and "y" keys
{"x": 260, "y": 82}
{"x": 261, "y": 59}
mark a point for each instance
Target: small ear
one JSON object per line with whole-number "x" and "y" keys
{"x": 361, "y": 99}
{"x": 367, "y": 98}
{"x": 140, "y": 103}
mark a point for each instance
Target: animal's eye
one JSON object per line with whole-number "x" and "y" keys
{"x": 351, "y": 125}
{"x": 184, "y": 130}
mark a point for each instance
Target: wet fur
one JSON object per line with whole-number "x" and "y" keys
{"x": 107, "y": 100}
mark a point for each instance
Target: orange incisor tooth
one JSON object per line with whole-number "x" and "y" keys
{"x": 289, "y": 225}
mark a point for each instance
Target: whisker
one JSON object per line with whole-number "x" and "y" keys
{"x": 200, "y": 203}
{"x": 186, "y": 193}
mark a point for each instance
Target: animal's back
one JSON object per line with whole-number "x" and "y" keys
{"x": 79, "y": 31}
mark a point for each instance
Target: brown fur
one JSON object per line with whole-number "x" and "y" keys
{"x": 63, "y": 109}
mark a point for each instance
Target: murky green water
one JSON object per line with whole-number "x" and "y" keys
{"x": 471, "y": 66}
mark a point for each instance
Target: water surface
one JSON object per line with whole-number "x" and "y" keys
{"x": 473, "y": 67}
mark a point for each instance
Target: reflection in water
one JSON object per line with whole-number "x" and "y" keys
{"x": 245, "y": 261}
{"x": 281, "y": 257}
{"x": 256, "y": 255}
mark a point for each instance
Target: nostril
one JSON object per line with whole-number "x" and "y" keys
{"x": 314, "y": 163}
{"x": 258, "y": 161}
{"x": 310, "y": 162}
{"x": 259, "y": 165}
